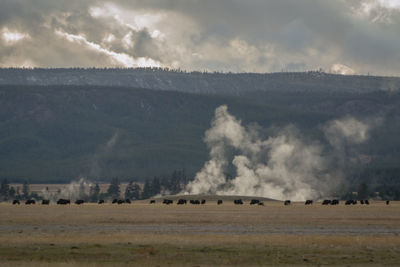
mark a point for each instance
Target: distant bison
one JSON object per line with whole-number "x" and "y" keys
{"x": 203, "y": 201}
{"x": 335, "y": 202}
{"x": 387, "y": 202}
{"x": 287, "y": 202}
{"x": 181, "y": 201}
{"x": 350, "y": 202}
{"x": 254, "y": 201}
{"x": 16, "y": 202}
{"x": 128, "y": 201}
{"x": 366, "y": 202}
{"x": 45, "y": 202}
{"x": 120, "y": 201}
{"x": 62, "y": 201}
{"x": 152, "y": 201}
{"x": 195, "y": 201}
{"x": 114, "y": 201}
{"x": 260, "y": 203}
{"x": 101, "y": 201}
{"x": 30, "y": 201}
{"x": 219, "y": 202}
{"x": 168, "y": 201}
{"x": 238, "y": 202}
{"x": 309, "y": 202}
{"x": 79, "y": 201}
{"x": 326, "y": 202}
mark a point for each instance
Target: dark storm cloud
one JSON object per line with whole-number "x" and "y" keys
{"x": 228, "y": 35}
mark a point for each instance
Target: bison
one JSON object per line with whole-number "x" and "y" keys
{"x": 195, "y": 202}
{"x": 260, "y": 203}
{"x": 181, "y": 201}
{"x": 101, "y": 201}
{"x": 387, "y": 202}
{"x": 63, "y": 201}
{"x": 203, "y": 201}
{"x": 326, "y": 202}
{"x": 238, "y": 202}
{"x": 335, "y": 202}
{"x": 287, "y": 202}
{"x": 152, "y": 201}
{"x": 30, "y": 201}
{"x": 309, "y": 202}
{"x": 168, "y": 201}
{"x": 45, "y": 202}
{"x": 79, "y": 201}
{"x": 114, "y": 201}
{"x": 16, "y": 202}
{"x": 254, "y": 201}
{"x": 128, "y": 201}
{"x": 219, "y": 202}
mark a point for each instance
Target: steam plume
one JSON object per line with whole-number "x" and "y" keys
{"x": 283, "y": 166}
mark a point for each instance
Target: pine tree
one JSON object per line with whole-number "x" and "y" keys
{"x": 155, "y": 186}
{"x": 363, "y": 191}
{"x": 4, "y": 189}
{"x": 132, "y": 191}
{"x": 25, "y": 190}
{"x": 94, "y": 193}
{"x": 114, "y": 190}
{"x": 147, "y": 191}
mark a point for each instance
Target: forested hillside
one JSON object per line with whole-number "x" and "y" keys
{"x": 58, "y": 133}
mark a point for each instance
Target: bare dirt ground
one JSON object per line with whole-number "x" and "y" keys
{"x": 201, "y": 235}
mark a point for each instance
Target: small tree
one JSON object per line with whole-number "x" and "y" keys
{"x": 94, "y": 193}
{"x": 25, "y": 190}
{"x": 132, "y": 191}
{"x": 114, "y": 190}
{"x": 12, "y": 192}
{"x": 4, "y": 189}
{"x": 363, "y": 191}
{"x": 147, "y": 191}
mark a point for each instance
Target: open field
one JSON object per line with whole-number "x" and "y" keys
{"x": 201, "y": 235}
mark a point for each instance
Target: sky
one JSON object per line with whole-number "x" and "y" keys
{"x": 339, "y": 36}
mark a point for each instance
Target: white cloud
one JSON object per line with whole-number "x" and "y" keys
{"x": 342, "y": 69}
{"x": 120, "y": 58}
{"x": 11, "y": 37}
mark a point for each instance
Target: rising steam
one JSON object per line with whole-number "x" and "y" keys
{"x": 283, "y": 166}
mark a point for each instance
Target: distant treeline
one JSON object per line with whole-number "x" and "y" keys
{"x": 165, "y": 185}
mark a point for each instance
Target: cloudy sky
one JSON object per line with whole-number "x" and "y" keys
{"x": 342, "y": 36}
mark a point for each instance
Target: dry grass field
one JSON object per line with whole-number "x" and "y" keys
{"x": 199, "y": 235}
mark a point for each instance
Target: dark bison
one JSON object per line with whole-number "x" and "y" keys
{"x": 326, "y": 202}
{"x": 195, "y": 202}
{"x": 16, "y": 202}
{"x": 219, "y": 202}
{"x": 350, "y": 202}
{"x": 203, "y": 201}
{"x": 79, "y": 201}
{"x": 287, "y": 202}
{"x": 366, "y": 202}
{"x": 128, "y": 201}
{"x": 120, "y": 201}
{"x": 152, "y": 201}
{"x": 101, "y": 201}
{"x": 362, "y": 202}
{"x": 335, "y": 202}
{"x": 30, "y": 201}
{"x": 254, "y": 201}
{"x": 260, "y": 204}
{"x": 238, "y": 202}
{"x": 181, "y": 201}
{"x": 62, "y": 201}
{"x": 168, "y": 201}
{"x": 45, "y": 202}
{"x": 387, "y": 202}
{"x": 114, "y": 201}
{"x": 309, "y": 202}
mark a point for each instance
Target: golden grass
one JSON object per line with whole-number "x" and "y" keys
{"x": 206, "y": 234}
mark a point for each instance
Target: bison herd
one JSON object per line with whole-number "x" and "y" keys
{"x": 182, "y": 201}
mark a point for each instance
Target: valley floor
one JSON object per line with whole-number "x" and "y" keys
{"x": 199, "y": 235}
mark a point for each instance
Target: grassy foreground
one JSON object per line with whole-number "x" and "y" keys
{"x": 210, "y": 235}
